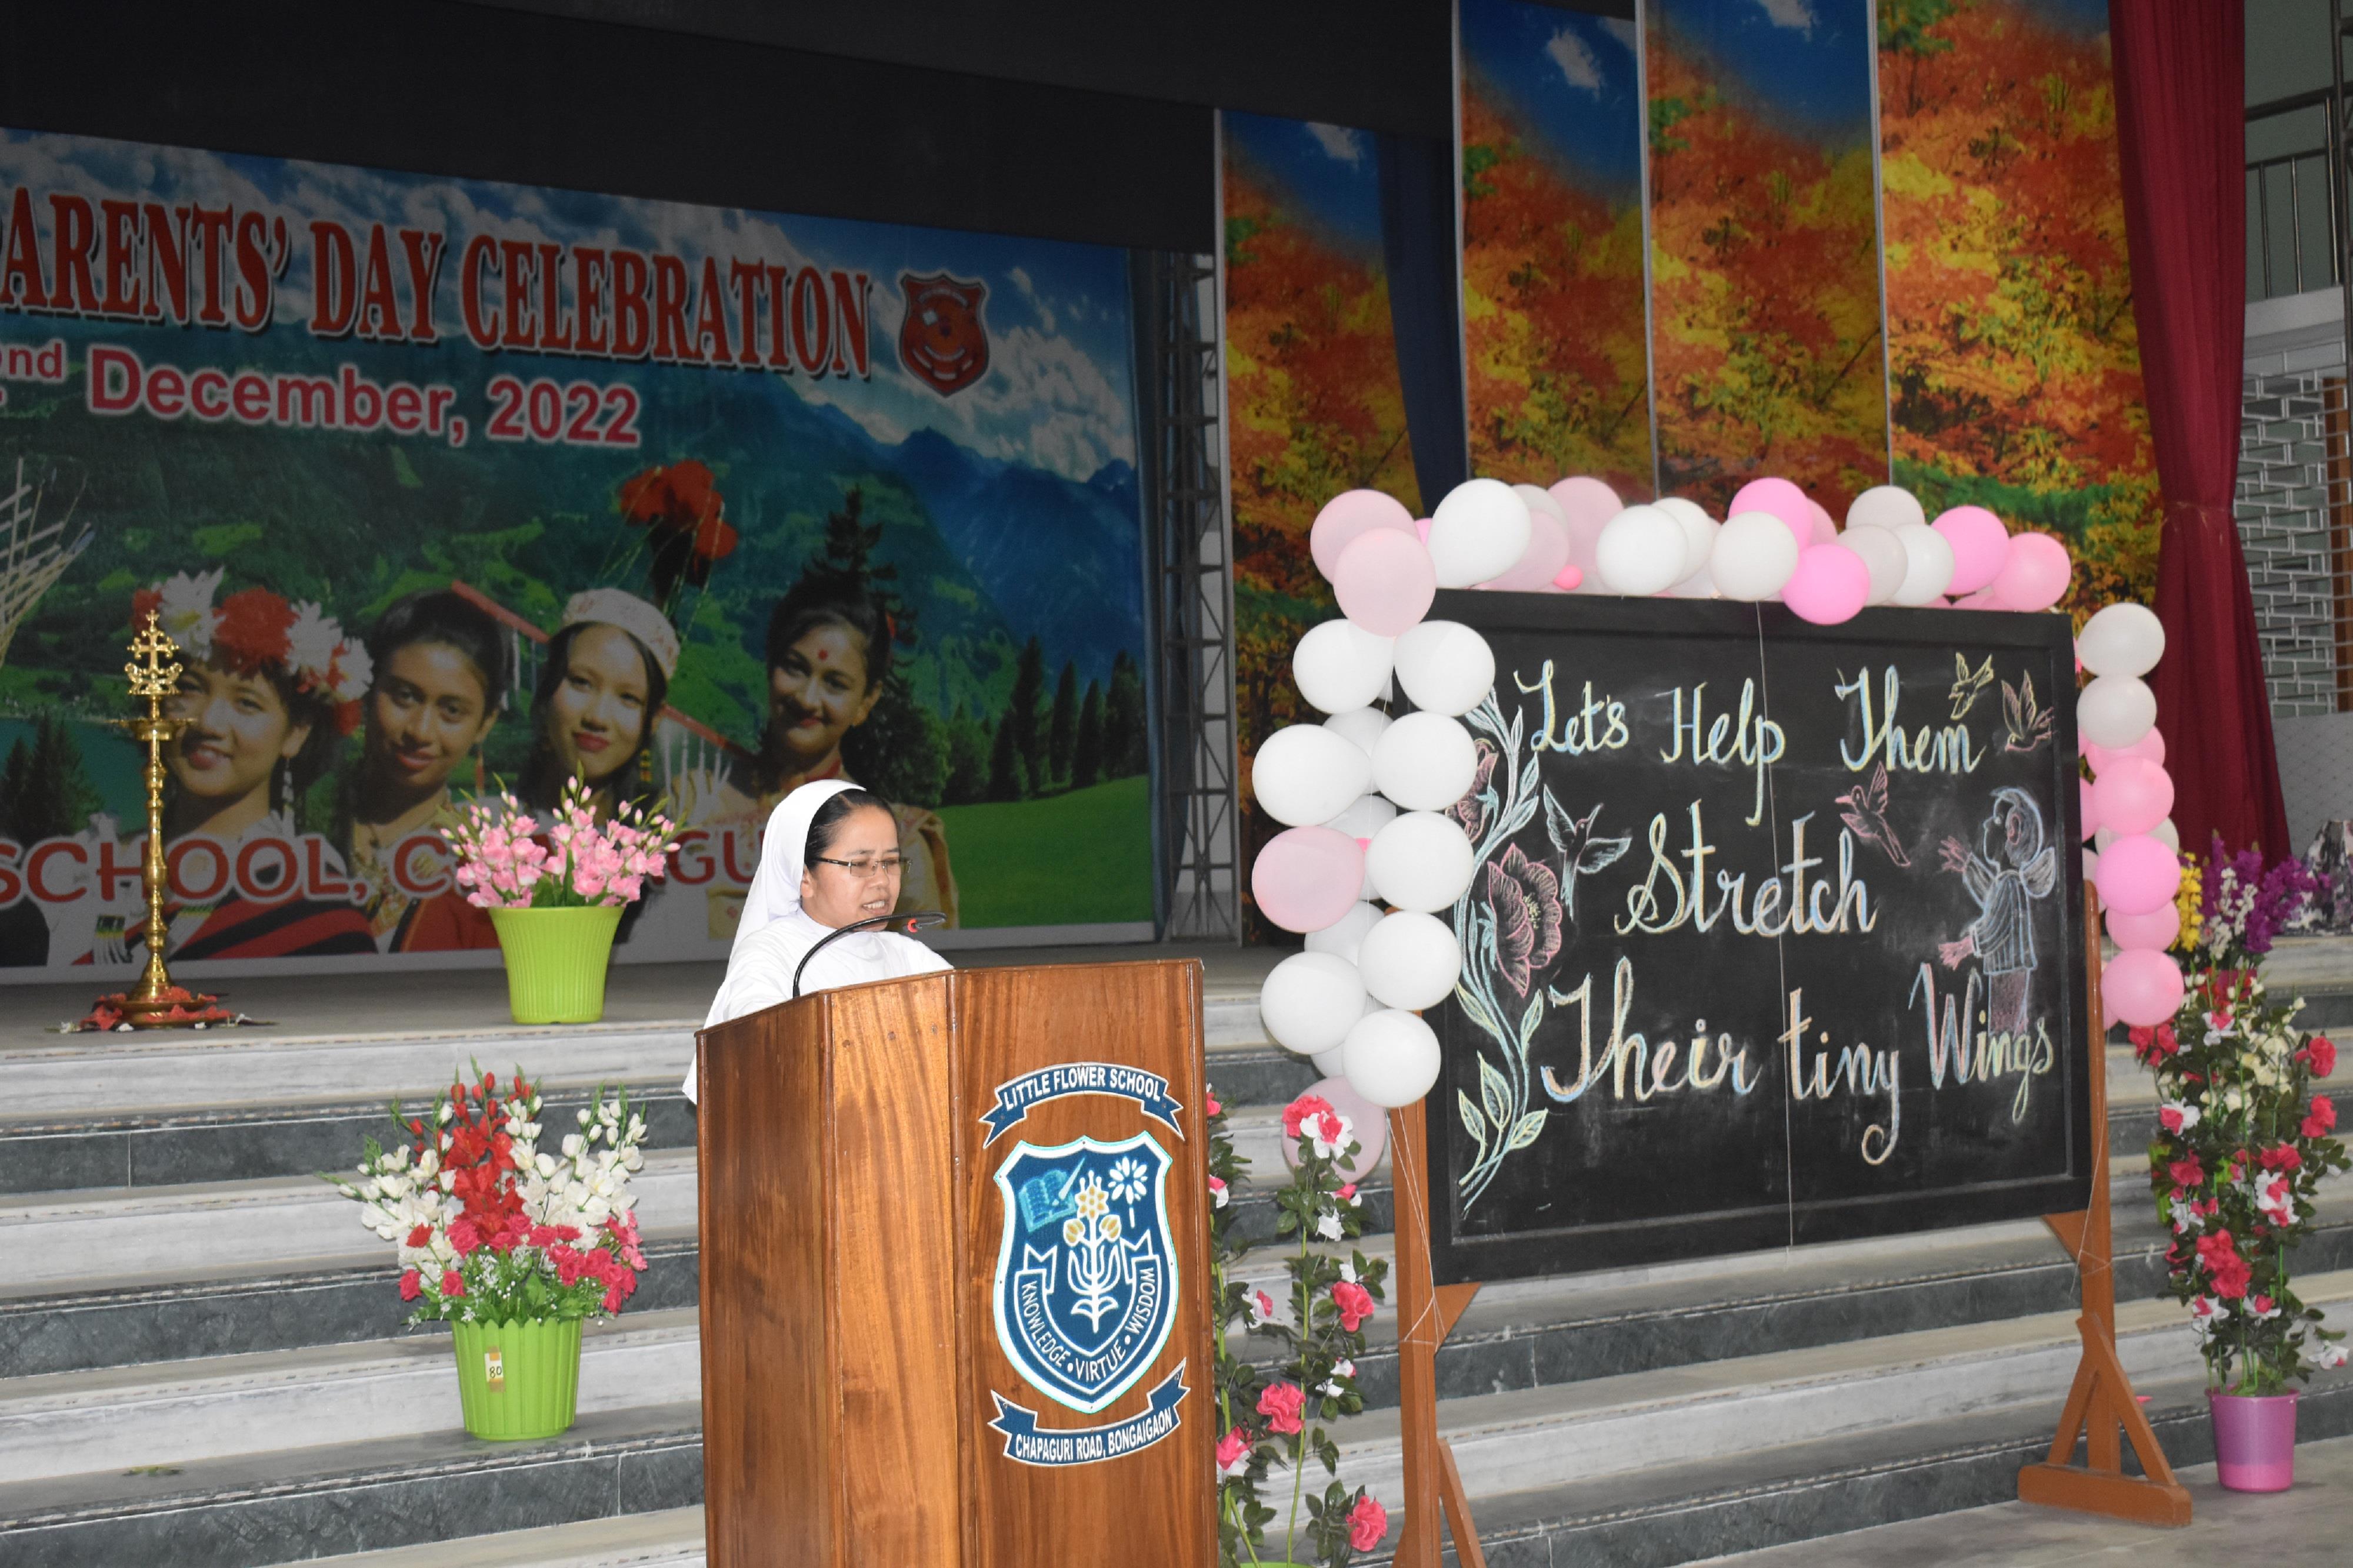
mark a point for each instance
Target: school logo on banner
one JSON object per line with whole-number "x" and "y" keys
{"x": 1086, "y": 1277}
{"x": 941, "y": 341}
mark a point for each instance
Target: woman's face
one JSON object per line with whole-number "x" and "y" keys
{"x": 598, "y": 714}
{"x": 837, "y": 895}
{"x": 819, "y": 692}
{"x": 429, "y": 707}
{"x": 239, "y": 730}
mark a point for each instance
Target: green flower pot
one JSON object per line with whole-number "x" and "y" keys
{"x": 556, "y": 961}
{"x": 518, "y": 1380}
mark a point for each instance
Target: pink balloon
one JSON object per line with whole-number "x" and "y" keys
{"x": 2144, "y": 988}
{"x": 2132, "y": 795}
{"x": 1569, "y": 579}
{"x": 1546, "y": 557}
{"x": 2149, "y": 748}
{"x": 1385, "y": 581}
{"x": 2035, "y": 574}
{"x": 2137, "y": 874}
{"x": 2091, "y": 812}
{"x": 1306, "y": 878}
{"x": 1980, "y": 545}
{"x": 1829, "y": 586}
{"x": 1825, "y": 530}
{"x": 1982, "y": 599}
{"x": 1784, "y": 500}
{"x": 1421, "y": 529}
{"x": 1368, "y": 1121}
{"x": 1587, "y": 503}
{"x": 2151, "y": 932}
{"x": 1347, "y": 516}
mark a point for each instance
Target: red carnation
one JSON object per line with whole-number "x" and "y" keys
{"x": 412, "y": 1285}
{"x": 1295, "y": 1114}
{"x": 1355, "y": 1303}
{"x": 1281, "y": 1403}
{"x": 420, "y": 1236}
{"x": 452, "y": 1284}
{"x": 465, "y": 1235}
{"x": 2321, "y": 1052}
{"x": 2284, "y": 1158}
{"x": 2323, "y": 1118}
{"x": 1367, "y": 1523}
{"x": 2187, "y": 1172}
{"x": 252, "y": 630}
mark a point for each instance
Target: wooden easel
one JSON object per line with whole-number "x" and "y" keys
{"x": 1426, "y": 1313}
{"x": 2101, "y": 1408}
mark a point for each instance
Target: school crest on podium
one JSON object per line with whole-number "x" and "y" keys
{"x": 1086, "y": 1279}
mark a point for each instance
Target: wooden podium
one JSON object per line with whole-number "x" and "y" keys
{"x": 906, "y": 1184}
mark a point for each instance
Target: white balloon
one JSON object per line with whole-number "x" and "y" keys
{"x": 1310, "y": 1001}
{"x": 2165, "y": 833}
{"x": 1304, "y": 774}
{"x": 1883, "y": 556}
{"x": 1362, "y": 725}
{"x": 1538, "y": 498}
{"x": 2115, "y": 711}
{"x": 1340, "y": 666}
{"x": 1425, "y": 762}
{"x": 1421, "y": 861}
{"x": 2122, "y": 640}
{"x": 1478, "y": 531}
{"x": 1754, "y": 554}
{"x": 1333, "y": 1063}
{"x": 1411, "y": 960}
{"x": 1364, "y": 816}
{"x": 1343, "y": 936}
{"x": 1700, "y": 584}
{"x": 1928, "y": 565}
{"x": 1391, "y": 1059}
{"x": 1886, "y": 506}
{"x": 1445, "y": 666}
{"x": 1699, "y": 531}
{"x": 1640, "y": 550}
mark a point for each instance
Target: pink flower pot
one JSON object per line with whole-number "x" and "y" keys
{"x": 2254, "y": 1441}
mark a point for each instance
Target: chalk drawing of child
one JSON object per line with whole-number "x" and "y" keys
{"x": 2015, "y": 868}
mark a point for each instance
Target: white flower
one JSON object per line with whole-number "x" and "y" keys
{"x": 2204, "y": 1310}
{"x": 2330, "y": 1356}
{"x": 1328, "y": 1227}
{"x": 312, "y": 641}
{"x": 186, "y": 611}
{"x": 1348, "y": 1272}
{"x": 573, "y": 1145}
{"x": 1262, "y": 1308}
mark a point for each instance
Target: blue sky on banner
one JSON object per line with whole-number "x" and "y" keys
{"x": 1058, "y": 395}
{"x": 1571, "y": 82}
{"x": 1804, "y": 64}
{"x": 1328, "y": 177}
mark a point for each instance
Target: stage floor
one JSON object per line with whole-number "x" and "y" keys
{"x": 442, "y": 1001}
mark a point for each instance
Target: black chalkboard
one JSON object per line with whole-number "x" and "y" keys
{"x": 1691, "y": 813}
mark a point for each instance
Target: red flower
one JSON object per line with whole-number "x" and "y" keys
{"x": 1295, "y": 1114}
{"x": 2231, "y": 1279}
{"x": 464, "y": 1235}
{"x": 420, "y": 1236}
{"x": 2284, "y": 1158}
{"x": 2260, "y": 1303}
{"x": 2187, "y": 1172}
{"x": 1281, "y": 1403}
{"x": 252, "y": 631}
{"x": 1231, "y": 1447}
{"x": 1214, "y": 1108}
{"x": 412, "y": 1285}
{"x": 1367, "y": 1523}
{"x": 1525, "y": 900}
{"x": 2323, "y": 1118}
{"x": 1355, "y": 1303}
{"x": 2321, "y": 1052}
{"x": 452, "y": 1284}
{"x": 680, "y": 509}
{"x": 144, "y": 602}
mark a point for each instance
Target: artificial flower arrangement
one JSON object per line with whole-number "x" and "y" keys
{"x": 505, "y": 861}
{"x": 2243, "y": 1142}
{"x": 1266, "y": 1419}
{"x": 490, "y": 1229}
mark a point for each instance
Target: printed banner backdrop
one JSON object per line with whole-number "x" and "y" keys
{"x": 1552, "y": 245}
{"x": 2016, "y": 369}
{"x": 843, "y": 500}
{"x": 1764, "y": 249}
{"x": 1314, "y": 405}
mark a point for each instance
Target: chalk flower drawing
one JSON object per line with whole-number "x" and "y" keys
{"x": 1524, "y": 902}
{"x": 1471, "y": 811}
{"x": 1510, "y": 924}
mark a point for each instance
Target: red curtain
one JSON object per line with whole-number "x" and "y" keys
{"x": 2180, "y": 122}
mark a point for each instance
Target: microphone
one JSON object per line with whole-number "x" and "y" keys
{"x": 908, "y": 924}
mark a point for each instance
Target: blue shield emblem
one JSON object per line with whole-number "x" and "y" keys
{"x": 1086, "y": 1279}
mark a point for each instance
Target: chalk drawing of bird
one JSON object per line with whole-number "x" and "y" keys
{"x": 1580, "y": 851}
{"x": 1968, "y": 688}
{"x": 1866, "y": 815}
{"x": 2028, "y": 721}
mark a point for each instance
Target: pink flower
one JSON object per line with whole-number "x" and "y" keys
{"x": 412, "y": 1285}
{"x": 1367, "y": 1523}
{"x": 1233, "y": 1453}
{"x": 465, "y": 1235}
{"x": 1281, "y": 1403}
{"x": 1355, "y": 1304}
{"x": 1348, "y": 1195}
{"x": 1214, "y": 1108}
{"x": 1525, "y": 900}
{"x": 452, "y": 1283}
{"x": 2322, "y": 1118}
{"x": 1295, "y": 1114}
{"x": 2321, "y": 1053}
{"x": 1262, "y": 1307}
{"x": 2176, "y": 1117}
{"x": 1217, "y": 1194}
{"x": 2187, "y": 1172}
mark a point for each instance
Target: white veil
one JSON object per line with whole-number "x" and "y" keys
{"x": 776, "y": 890}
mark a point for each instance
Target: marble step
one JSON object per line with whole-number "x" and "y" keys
{"x": 670, "y": 1538}
{"x": 358, "y": 1494}
{"x": 176, "y": 1232}
{"x": 179, "y": 1413}
{"x": 1547, "y": 1437}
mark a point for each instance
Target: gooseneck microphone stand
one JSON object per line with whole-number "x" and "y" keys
{"x": 908, "y": 924}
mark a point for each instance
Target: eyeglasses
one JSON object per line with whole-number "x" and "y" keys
{"x": 867, "y": 865}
